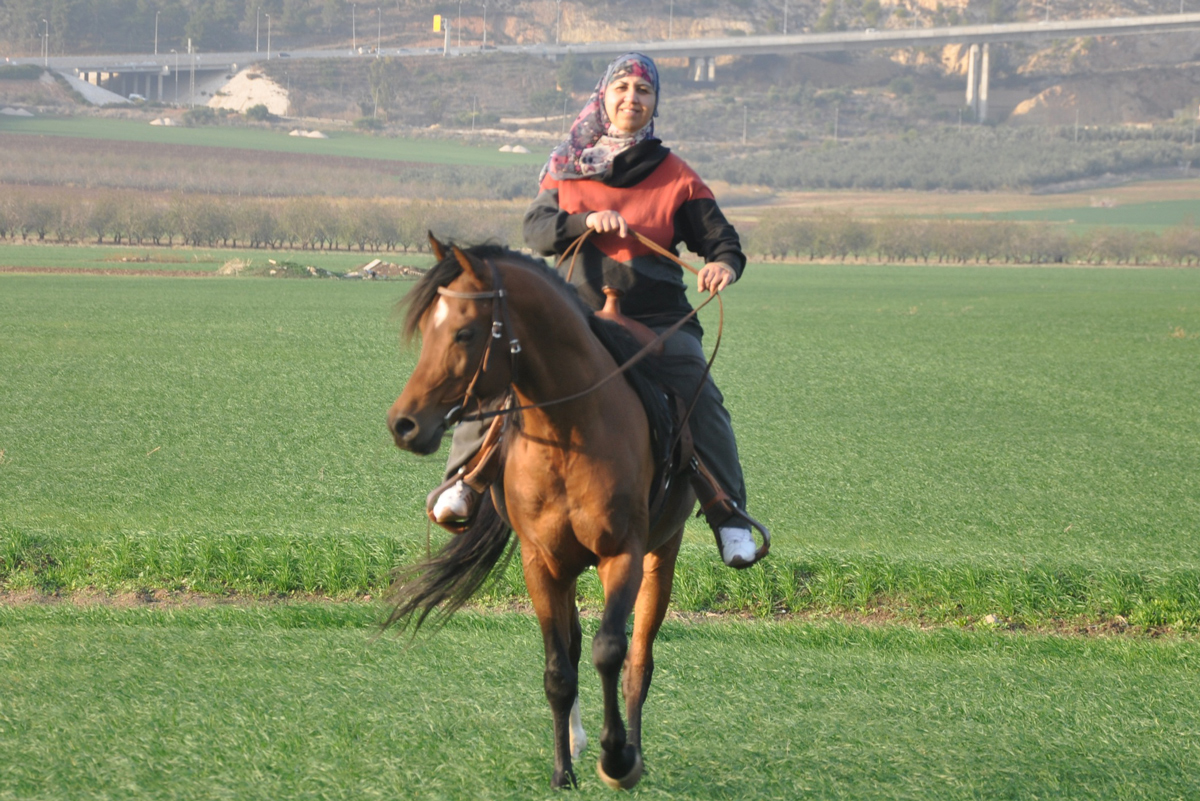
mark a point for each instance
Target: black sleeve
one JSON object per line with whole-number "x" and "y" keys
{"x": 549, "y": 229}
{"x": 701, "y": 226}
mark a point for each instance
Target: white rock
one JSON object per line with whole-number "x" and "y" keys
{"x": 15, "y": 112}
{"x": 314, "y": 135}
{"x": 520, "y": 149}
{"x": 295, "y": 132}
{"x": 506, "y": 149}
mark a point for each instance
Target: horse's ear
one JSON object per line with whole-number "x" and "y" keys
{"x": 439, "y": 250}
{"x": 469, "y": 267}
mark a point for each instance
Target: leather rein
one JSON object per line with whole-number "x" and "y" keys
{"x": 501, "y": 323}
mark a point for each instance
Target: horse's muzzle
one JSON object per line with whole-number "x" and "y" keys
{"x": 410, "y": 435}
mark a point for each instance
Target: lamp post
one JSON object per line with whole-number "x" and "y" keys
{"x": 378, "y": 30}
{"x": 484, "y": 25}
{"x": 459, "y": 24}
{"x": 156, "y": 33}
{"x": 785, "y": 10}
{"x": 671, "y": 22}
{"x": 176, "y": 52}
{"x": 558, "y": 19}
{"x": 353, "y": 28}
{"x": 257, "y": 20}
{"x": 268, "y": 16}
{"x": 46, "y": 45}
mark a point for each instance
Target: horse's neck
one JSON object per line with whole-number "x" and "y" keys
{"x": 559, "y": 354}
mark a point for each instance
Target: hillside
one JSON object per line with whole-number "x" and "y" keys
{"x": 1108, "y": 81}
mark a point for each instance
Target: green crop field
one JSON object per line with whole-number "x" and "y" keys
{"x": 339, "y": 143}
{"x": 942, "y": 442}
{"x": 301, "y": 702}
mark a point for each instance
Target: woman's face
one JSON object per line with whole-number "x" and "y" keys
{"x": 629, "y": 102}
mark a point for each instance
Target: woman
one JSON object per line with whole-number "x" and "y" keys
{"x": 612, "y": 175}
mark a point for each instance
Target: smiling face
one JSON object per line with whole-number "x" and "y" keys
{"x": 629, "y": 102}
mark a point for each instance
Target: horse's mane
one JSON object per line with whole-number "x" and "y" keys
{"x": 616, "y": 340}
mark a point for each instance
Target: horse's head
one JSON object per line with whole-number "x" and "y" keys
{"x": 455, "y": 331}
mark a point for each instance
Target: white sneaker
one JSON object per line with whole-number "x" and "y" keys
{"x": 737, "y": 545}
{"x": 456, "y": 503}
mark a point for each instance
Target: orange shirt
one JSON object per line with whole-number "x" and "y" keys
{"x": 649, "y": 206}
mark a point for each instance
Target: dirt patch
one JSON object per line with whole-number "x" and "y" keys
{"x": 876, "y": 617}
{"x": 251, "y": 88}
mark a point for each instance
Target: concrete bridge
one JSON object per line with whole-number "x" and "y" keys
{"x": 173, "y": 75}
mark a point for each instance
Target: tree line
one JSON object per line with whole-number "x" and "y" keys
{"x": 317, "y": 223}
{"x": 824, "y": 236}
{"x": 304, "y": 223}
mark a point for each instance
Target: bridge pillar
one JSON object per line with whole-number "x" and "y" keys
{"x": 703, "y": 69}
{"x": 972, "y": 98}
{"x": 158, "y": 97}
{"x": 983, "y": 85}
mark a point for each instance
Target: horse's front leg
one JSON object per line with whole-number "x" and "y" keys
{"x": 658, "y": 574}
{"x": 554, "y": 603}
{"x": 620, "y": 764}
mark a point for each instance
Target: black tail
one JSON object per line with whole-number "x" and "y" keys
{"x": 441, "y": 584}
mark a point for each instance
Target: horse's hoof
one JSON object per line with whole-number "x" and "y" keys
{"x": 564, "y": 781}
{"x": 628, "y": 781}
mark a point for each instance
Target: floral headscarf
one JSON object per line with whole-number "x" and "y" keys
{"x": 593, "y": 143}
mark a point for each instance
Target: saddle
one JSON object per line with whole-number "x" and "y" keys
{"x": 483, "y": 469}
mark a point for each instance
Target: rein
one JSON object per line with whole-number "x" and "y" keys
{"x": 500, "y": 321}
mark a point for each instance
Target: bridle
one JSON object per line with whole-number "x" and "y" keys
{"x": 501, "y": 322}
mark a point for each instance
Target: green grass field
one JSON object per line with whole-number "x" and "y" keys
{"x": 339, "y": 143}
{"x": 942, "y": 442}
{"x": 300, "y": 702}
{"x": 133, "y": 257}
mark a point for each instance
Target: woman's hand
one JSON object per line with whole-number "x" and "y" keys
{"x": 604, "y": 222}
{"x": 715, "y": 276}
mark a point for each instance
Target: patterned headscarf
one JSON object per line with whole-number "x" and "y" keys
{"x": 594, "y": 142}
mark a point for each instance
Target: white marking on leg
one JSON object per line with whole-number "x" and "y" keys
{"x": 578, "y": 735}
{"x": 440, "y": 312}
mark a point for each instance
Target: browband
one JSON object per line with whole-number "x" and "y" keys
{"x": 450, "y": 293}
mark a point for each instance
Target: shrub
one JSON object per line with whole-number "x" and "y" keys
{"x": 202, "y": 115}
{"x": 20, "y": 72}
{"x": 259, "y": 113}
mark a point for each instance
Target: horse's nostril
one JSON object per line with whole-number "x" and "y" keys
{"x": 405, "y": 428}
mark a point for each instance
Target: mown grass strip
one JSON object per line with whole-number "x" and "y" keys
{"x": 301, "y": 701}
{"x": 270, "y": 566}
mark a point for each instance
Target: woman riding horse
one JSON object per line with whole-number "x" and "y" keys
{"x": 612, "y": 177}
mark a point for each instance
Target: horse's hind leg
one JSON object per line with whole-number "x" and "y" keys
{"x": 620, "y": 764}
{"x": 554, "y": 603}
{"x": 658, "y": 574}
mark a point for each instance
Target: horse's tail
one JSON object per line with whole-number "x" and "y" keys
{"x": 441, "y": 584}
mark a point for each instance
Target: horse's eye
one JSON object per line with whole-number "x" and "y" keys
{"x": 464, "y": 335}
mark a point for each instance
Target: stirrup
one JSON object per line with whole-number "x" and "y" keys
{"x": 719, "y": 509}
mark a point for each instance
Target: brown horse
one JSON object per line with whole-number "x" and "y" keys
{"x": 576, "y": 483}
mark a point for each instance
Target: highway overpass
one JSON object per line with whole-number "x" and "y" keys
{"x": 145, "y": 74}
